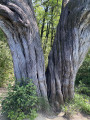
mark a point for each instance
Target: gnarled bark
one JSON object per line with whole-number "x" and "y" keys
{"x": 18, "y": 22}
{"x": 71, "y": 44}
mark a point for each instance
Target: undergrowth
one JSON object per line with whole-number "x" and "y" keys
{"x": 80, "y": 103}
{"x": 83, "y": 88}
{"x": 20, "y": 102}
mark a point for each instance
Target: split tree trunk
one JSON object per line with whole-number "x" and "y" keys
{"x": 18, "y": 22}
{"x": 71, "y": 44}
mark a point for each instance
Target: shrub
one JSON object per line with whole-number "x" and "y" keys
{"x": 20, "y": 102}
{"x": 84, "y": 72}
{"x": 80, "y": 103}
{"x": 82, "y": 88}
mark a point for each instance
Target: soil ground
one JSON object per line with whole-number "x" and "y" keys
{"x": 77, "y": 116}
{"x": 60, "y": 116}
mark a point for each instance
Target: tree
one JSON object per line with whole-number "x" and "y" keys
{"x": 6, "y": 65}
{"x": 71, "y": 44}
{"x": 18, "y": 22}
{"x": 48, "y": 14}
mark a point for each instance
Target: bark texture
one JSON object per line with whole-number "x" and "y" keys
{"x": 71, "y": 44}
{"x": 18, "y": 22}
{"x": 64, "y": 3}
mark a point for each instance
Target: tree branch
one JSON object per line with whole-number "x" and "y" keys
{"x": 7, "y": 13}
{"x": 20, "y": 13}
{"x": 14, "y": 13}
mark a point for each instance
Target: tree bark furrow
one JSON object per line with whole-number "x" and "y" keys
{"x": 20, "y": 27}
{"x": 71, "y": 44}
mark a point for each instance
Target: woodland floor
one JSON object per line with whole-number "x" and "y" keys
{"x": 77, "y": 116}
{"x": 60, "y": 116}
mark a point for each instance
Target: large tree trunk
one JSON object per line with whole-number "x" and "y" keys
{"x": 18, "y": 22}
{"x": 71, "y": 44}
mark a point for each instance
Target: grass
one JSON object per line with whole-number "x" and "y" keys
{"x": 80, "y": 103}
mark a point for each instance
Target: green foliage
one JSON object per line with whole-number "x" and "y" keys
{"x": 69, "y": 109}
{"x": 83, "y": 77}
{"x": 82, "y": 88}
{"x": 20, "y": 102}
{"x": 6, "y": 65}
{"x": 84, "y": 72}
{"x": 80, "y": 103}
{"x": 49, "y": 19}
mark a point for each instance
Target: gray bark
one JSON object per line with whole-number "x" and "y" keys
{"x": 64, "y": 3}
{"x": 18, "y": 22}
{"x": 71, "y": 44}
